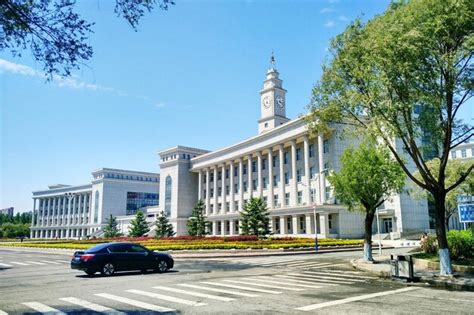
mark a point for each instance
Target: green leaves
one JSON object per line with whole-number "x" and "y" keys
{"x": 197, "y": 223}
{"x": 255, "y": 220}
{"x": 111, "y": 229}
{"x": 138, "y": 225}
{"x": 163, "y": 228}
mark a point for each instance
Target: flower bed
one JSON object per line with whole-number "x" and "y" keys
{"x": 196, "y": 243}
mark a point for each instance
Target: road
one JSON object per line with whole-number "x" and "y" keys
{"x": 32, "y": 283}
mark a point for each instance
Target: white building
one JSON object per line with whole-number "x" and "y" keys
{"x": 284, "y": 166}
{"x": 65, "y": 211}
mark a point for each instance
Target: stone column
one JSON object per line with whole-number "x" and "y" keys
{"x": 200, "y": 185}
{"x": 295, "y": 224}
{"x": 307, "y": 175}
{"x": 270, "y": 179}
{"x": 48, "y": 213}
{"x": 249, "y": 176}
{"x": 283, "y": 226}
{"x": 324, "y": 225}
{"x": 214, "y": 228}
{"x": 322, "y": 179}
{"x": 231, "y": 227}
{"x": 282, "y": 176}
{"x": 223, "y": 199}
{"x": 216, "y": 209}
{"x": 85, "y": 211}
{"x": 231, "y": 186}
{"x": 208, "y": 192}
{"x": 309, "y": 223}
{"x": 223, "y": 228}
{"x": 241, "y": 183}
{"x": 79, "y": 210}
{"x": 259, "y": 174}
{"x": 294, "y": 181}
{"x": 33, "y": 219}
{"x": 39, "y": 217}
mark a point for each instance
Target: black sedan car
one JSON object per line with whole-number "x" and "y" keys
{"x": 109, "y": 258}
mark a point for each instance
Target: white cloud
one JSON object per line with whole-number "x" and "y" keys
{"x": 343, "y": 18}
{"x": 330, "y": 24}
{"x": 326, "y": 10}
{"x": 160, "y": 105}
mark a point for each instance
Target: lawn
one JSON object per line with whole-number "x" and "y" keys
{"x": 435, "y": 258}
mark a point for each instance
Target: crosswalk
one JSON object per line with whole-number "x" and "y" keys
{"x": 172, "y": 297}
{"x": 26, "y": 263}
{"x": 281, "y": 262}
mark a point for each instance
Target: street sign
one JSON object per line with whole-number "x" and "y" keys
{"x": 466, "y": 213}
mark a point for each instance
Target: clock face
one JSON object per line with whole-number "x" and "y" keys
{"x": 266, "y": 101}
{"x": 280, "y": 101}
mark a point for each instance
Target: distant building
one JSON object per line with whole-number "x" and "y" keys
{"x": 65, "y": 211}
{"x": 463, "y": 151}
{"x": 8, "y": 211}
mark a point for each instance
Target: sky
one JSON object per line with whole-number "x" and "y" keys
{"x": 189, "y": 76}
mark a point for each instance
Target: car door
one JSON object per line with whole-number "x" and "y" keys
{"x": 119, "y": 256}
{"x": 138, "y": 257}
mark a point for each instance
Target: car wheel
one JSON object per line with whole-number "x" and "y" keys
{"x": 162, "y": 266}
{"x": 90, "y": 273}
{"x": 108, "y": 269}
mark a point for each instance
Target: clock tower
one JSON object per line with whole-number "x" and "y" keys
{"x": 272, "y": 101}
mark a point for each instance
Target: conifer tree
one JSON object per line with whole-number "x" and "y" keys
{"x": 138, "y": 226}
{"x": 163, "y": 226}
{"x": 197, "y": 224}
{"x": 111, "y": 229}
{"x": 255, "y": 220}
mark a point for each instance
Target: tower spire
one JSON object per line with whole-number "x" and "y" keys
{"x": 272, "y": 62}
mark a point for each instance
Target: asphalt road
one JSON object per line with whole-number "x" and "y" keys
{"x": 32, "y": 283}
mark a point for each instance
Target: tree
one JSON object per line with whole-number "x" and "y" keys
{"x": 255, "y": 220}
{"x": 138, "y": 225}
{"x": 55, "y": 33}
{"x": 197, "y": 223}
{"x": 454, "y": 169}
{"x": 111, "y": 229}
{"x": 163, "y": 226}
{"x": 368, "y": 177}
{"x": 402, "y": 77}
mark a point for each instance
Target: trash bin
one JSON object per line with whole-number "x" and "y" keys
{"x": 402, "y": 267}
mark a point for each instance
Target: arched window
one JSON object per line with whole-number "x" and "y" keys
{"x": 168, "y": 195}
{"x": 96, "y": 206}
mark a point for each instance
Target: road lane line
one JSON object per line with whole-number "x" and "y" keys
{"x": 18, "y": 263}
{"x": 316, "y": 279}
{"x": 91, "y": 306}
{"x": 299, "y": 280}
{"x": 310, "y": 263}
{"x": 262, "y": 285}
{"x": 241, "y": 288}
{"x": 352, "y": 299}
{"x": 320, "y": 267}
{"x": 286, "y": 283}
{"x": 217, "y": 290}
{"x": 166, "y": 298}
{"x": 339, "y": 275}
{"x": 35, "y": 263}
{"x": 147, "y": 306}
{"x": 203, "y": 295}
{"x": 5, "y": 265}
{"x": 329, "y": 277}
{"x": 44, "y": 309}
{"x": 50, "y": 262}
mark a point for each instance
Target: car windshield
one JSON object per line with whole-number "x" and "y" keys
{"x": 97, "y": 248}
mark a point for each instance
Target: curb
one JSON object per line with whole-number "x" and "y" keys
{"x": 379, "y": 273}
{"x": 435, "y": 265}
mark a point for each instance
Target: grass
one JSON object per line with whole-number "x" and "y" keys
{"x": 435, "y": 258}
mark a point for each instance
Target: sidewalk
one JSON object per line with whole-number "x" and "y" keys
{"x": 381, "y": 267}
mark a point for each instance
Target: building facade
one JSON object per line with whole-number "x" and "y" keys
{"x": 283, "y": 165}
{"x": 64, "y": 211}
{"x": 8, "y": 211}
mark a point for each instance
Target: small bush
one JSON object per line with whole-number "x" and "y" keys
{"x": 461, "y": 244}
{"x": 430, "y": 246}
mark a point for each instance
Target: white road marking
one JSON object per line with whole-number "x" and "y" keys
{"x": 18, "y": 263}
{"x": 305, "y": 264}
{"x": 5, "y": 265}
{"x": 35, "y": 263}
{"x": 329, "y": 277}
{"x": 147, "y": 306}
{"x": 217, "y": 290}
{"x": 3, "y": 313}
{"x": 299, "y": 280}
{"x": 91, "y": 306}
{"x": 282, "y": 262}
{"x": 262, "y": 285}
{"x": 62, "y": 261}
{"x": 44, "y": 309}
{"x": 264, "y": 279}
{"x": 50, "y": 262}
{"x": 342, "y": 271}
{"x": 320, "y": 279}
{"x": 320, "y": 267}
{"x": 339, "y": 275}
{"x": 440, "y": 298}
{"x": 352, "y": 299}
{"x": 203, "y": 295}
{"x": 167, "y": 298}
{"x": 240, "y": 287}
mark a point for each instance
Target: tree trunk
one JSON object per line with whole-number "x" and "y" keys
{"x": 369, "y": 219}
{"x": 443, "y": 251}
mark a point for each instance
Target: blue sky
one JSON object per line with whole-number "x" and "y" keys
{"x": 189, "y": 76}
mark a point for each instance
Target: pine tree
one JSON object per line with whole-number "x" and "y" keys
{"x": 255, "y": 220}
{"x": 138, "y": 226}
{"x": 111, "y": 229}
{"x": 163, "y": 226}
{"x": 197, "y": 223}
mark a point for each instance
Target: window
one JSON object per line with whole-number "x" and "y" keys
{"x": 453, "y": 154}
{"x": 463, "y": 153}
{"x": 275, "y": 201}
{"x": 212, "y": 192}
{"x": 311, "y": 150}
{"x": 236, "y": 188}
{"x": 287, "y": 178}
{"x": 285, "y": 158}
{"x": 204, "y": 193}
{"x": 328, "y": 192}
{"x": 274, "y": 160}
{"x": 236, "y": 170}
{"x": 264, "y": 180}
{"x": 245, "y": 170}
{"x": 226, "y": 173}
{"x": 313, "y": 194}
{"x": 227, "y": 205}
{"x": 219, "y": 191}
{"x": 212, "y": 209}
{"x": 472, "y": 152}
{"x": 219, "y": 206}
{"x": 254, "y": 184}
{"x": 236, "y": 205}
{"x": 168, "y": 183}
{"x": 254, "y": 166}
{"x": 264, "y": 164}
{"x": 227, "y": 190}
{"x": 211, "y": 177}
{"x": 96, "y": 207}
{"x": 298, "y": 176}
{"x": 312, "y": 171}
{"x": 300, "y": 197}
{"x": 326, "y": 168}
{"x": 287, "y": 199}
{"x": 326, "y": 146}
{"x": 219, "y": 175}
{"x": 275, "y": 180}
{"x": 298, "y": 154}
{"x": 136, "y": 249}
{"x": 245, "y": 187}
